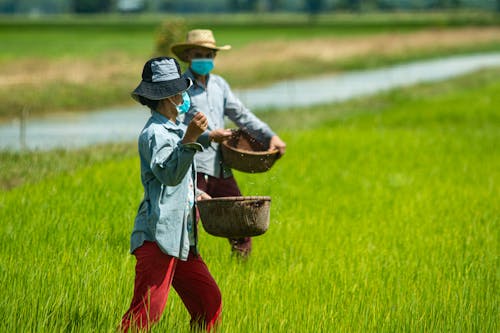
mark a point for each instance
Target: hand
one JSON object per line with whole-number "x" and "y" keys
{"x": 203, "y": 196}
{"x": 220, "y": 135}
{"x": 196, "y": 127}
{"x": 277, "y": 143}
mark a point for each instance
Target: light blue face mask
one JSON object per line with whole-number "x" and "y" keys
{"x": 202, "y": 66}
{"x": 186, "y": 103}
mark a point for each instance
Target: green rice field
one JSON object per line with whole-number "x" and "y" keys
{"x": 384, "y": 218}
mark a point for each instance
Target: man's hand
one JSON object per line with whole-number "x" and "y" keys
{"x": 220, "y": 135}
{"x": 196, "y": 127}
{"x": 277, "y": 143}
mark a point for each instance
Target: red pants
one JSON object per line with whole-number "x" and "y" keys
{"x": 155, "y": 271}
{"x": 224, "y": 187}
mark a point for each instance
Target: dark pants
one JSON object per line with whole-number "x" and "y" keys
{"x": 225, "y": 187}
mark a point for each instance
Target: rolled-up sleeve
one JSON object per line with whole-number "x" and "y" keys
{"x": 170, "y": 159}
{"x": 243, "y": 118}
{"x": 204, "y": 139}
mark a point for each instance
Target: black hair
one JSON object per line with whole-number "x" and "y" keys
{"x": 152, "y": 104}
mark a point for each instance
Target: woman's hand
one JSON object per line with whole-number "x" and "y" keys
{"x": 196, "y": 127}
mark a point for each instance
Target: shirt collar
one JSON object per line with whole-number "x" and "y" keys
{"x": 165, "y": 121}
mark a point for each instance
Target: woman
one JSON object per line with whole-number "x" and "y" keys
{"x": 164, "y": 238}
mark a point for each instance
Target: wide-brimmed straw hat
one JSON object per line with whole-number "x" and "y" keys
{"x": 197, "y": 37}
{"x": 161, "y": 78}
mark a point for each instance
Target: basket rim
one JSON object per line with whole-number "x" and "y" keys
{"x": 251, "y": 152}
{"x": 238, "y": 198}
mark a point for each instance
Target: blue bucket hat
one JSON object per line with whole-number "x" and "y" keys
{"x": 161, "y": 78}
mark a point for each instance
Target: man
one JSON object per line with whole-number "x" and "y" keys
{"x": 212, "y": 95}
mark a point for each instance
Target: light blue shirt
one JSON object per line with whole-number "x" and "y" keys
{"x": 217, "y": 101}
{"x": 165, "y": 214}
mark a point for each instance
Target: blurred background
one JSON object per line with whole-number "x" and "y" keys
{"x": 69, "y": 58}
{"x": 231, "y": 6}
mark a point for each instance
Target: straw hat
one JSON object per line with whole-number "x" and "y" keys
{"x": 161, "y": 78}
{"x": 197, "y": 37}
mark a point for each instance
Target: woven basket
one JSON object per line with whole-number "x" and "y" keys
{"x": 235, "y": 217}
{"x": 246, "y": 154}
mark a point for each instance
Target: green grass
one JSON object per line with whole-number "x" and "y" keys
{"x": 17, "y": 168}
{"x": 384, "y": 217}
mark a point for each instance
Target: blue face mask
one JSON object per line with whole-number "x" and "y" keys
{"x": 202, "y": 66}
{"x": 186, "y": 103}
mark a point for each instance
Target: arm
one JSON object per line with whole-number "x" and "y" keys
{"x": 171, "y": 159}
{"x": 204, "y": 138}
{"x": 247, "y": 121}
{"x": 244, "y": 118}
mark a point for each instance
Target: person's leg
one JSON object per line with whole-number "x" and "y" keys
{"x": 227, "y": 187}
{"x": 154, "y": 271}
{"x": 222, "y": 187}
{"x": 199, "y": 292}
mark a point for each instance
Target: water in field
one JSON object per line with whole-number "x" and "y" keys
{"x": 124, "y": 124}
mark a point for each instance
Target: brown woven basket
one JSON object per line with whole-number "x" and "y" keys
{"x": 235, "y": 217}
{"x": 246, "y": 154}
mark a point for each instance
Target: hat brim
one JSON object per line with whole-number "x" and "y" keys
{"x": 160, "y": 90}
{"x": 179, "y": 49}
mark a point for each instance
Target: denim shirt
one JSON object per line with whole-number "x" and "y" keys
{"x": 217, "y": 101}
{"x": 167, "y": 168}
